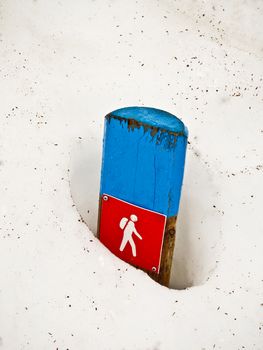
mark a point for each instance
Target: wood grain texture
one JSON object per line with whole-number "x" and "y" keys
{"x": 167, "y": 253}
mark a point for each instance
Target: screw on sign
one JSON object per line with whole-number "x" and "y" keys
{"x": 142, "y": 172}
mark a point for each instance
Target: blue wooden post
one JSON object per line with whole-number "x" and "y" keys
{"x": 143, "y": 164}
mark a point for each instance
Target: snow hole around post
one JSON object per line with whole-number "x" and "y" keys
{"x": 198, "y": 232}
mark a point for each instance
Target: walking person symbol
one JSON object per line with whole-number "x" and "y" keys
{"x": 128, "y": 227}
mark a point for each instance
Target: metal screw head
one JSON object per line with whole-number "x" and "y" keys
{"x": 105, "y": 198}
{"x": 154, "y": 269}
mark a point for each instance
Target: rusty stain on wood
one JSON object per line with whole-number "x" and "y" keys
{"x": 160, "y": 133}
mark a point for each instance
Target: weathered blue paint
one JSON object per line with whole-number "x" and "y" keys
{"x": 153, "y": 117}
{"x": 143, "y": 158}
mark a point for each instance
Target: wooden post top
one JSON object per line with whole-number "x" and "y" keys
{"x": 151, "y": 117}
{"x": 143, "y": 158}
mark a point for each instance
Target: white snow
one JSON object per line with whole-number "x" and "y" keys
{"x": 63, "y": 66}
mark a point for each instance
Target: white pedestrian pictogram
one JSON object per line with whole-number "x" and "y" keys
{"x": 128, "y": 227}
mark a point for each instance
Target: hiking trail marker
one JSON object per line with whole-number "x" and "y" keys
{"x": 141, "y": 179}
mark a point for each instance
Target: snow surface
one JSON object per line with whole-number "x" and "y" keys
{"x": 63, "y": 66}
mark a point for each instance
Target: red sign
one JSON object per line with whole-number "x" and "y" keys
{"x": 132, "y": 233}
